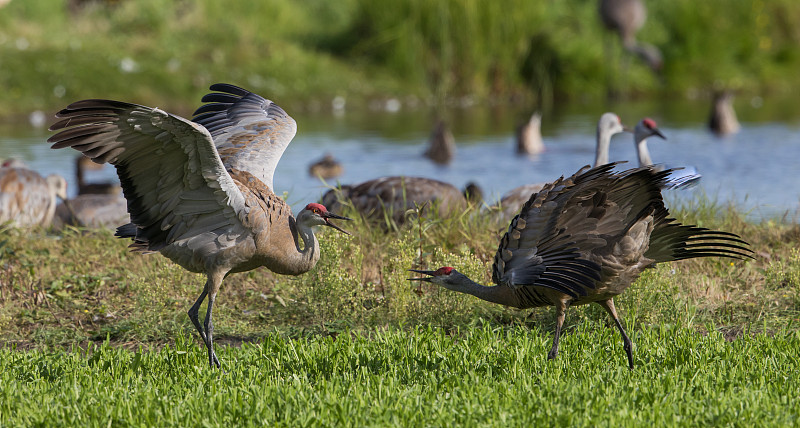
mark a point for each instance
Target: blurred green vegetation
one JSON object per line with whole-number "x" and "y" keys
{"x": 300, "y": 53}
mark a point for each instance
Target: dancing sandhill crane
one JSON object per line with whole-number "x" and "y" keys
{"x": 723, "y": 117}
{"x": 26, "y": 198}
{"x": 529, "y": 136}
{"x": 608, "y": 126}
{"x": 585, "y": 239}
{"x": 200, "y": 192}
{"x": 391, "y": 197}
{"x": 442, "y": 146}
{"x": 327, "y": 167}
{"x": 626, "y": 18}
{"x": 679, "y": 177}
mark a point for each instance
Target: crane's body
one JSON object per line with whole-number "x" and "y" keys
{"x": 442, "y": 146}
{"x": 393, "y": 196}
{"x": 26, "y": 198}
{"x": 608, "y": 126}
{"x": 585, "y": 239}
{"x": 200, "y": 192}
{"x": 529, "y": 136}
{"x": 626, "y": 18}
{"x": 722, "y": 120}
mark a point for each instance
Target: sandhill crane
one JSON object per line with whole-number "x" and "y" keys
{"x": 200, "y": 192}
{"x": 626, "y": 18}
{"x": 82, "y": 164}
{"x": 585, "y": 239}
{"x": 723, "y": 117}
{"x": 391, "y": 197}
{"x": 327, "y": 167}
{"x": 442, "y": 146}
{"x": 608, "y": 126}
{"x": 12, "y": 163}
{"x": 26, "y": 198}
{"x": 93, "y": 211}
{"x": 680, "y": 177}
{"x": 529, "y": 136}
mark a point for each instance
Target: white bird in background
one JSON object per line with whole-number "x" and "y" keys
{"x": 200, "y": 192}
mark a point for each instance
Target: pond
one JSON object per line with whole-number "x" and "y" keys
{"x": 757, "y": 168}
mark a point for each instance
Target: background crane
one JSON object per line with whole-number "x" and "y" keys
{"x": 585, "y": 239}
{"x": 679, "y": 177}
{"x": 26, "y": 198}
{"x": 608, "y": 126}
{"x": 200, "y": 192}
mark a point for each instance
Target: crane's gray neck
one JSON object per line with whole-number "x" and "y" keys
{"x": 643, "y": 153}
{"x": 500, "y": 294}
{"x": 603, "y": 142}
{"x": 307, "y": 254}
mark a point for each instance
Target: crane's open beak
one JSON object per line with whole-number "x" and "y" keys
{"x": 329, "y": 216}
{"x": 424, "y": 272}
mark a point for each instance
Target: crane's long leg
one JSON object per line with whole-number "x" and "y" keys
{"x": 561, "y": 311}
{"x": 212, "y": 357}
{"x": 193, "y": 314}
{"x": 608, "y": 305}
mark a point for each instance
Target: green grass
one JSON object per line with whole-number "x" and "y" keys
{"x": 303, "y": 54}
{"x": 417, "y": 377}
{"x": 91, "y": 334}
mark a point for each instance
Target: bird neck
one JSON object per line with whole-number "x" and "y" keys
{"x": 603, "y": 142}
{"x": 307, "y": 254}
{"x": 643, "y": 153}
{"x": 500, "y": 294}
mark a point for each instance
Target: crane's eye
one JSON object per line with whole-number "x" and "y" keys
{"x": 316, "y": 210}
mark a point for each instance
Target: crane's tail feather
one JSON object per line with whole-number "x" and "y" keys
{"x": 673, "y": 241}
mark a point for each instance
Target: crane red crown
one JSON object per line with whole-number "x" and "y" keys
{"x": 446, "y": 270}
{"x": 650, "y": 123}
{"x": 317, "y": 208}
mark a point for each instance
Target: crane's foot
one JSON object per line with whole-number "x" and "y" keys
{"x": 553, "y": 353}
{"x": 628, "y": 346}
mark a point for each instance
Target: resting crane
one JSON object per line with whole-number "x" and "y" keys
{"x": 442, "y": 146}
{"x": 585, "y": 239}
{"x": 390, "y": 197}
{"x": 608, "y": 126}
{"x": 26, "y": 198}
{"x": 200, "y": 192}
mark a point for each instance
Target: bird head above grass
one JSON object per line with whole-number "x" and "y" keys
{"x": 315, "y": 214}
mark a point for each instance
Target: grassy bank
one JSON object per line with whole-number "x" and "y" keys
{"x": 485, "y": 377}
{"x": 79, "y": 286}
{"x": 94, "y": 335}
{"x": 167, "y": 53}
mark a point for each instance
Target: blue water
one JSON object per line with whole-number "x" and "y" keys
{"x": 757, "y": 168}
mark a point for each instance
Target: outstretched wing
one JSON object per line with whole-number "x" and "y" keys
{"x": 174, "y": 181}
{"x": 539, "y": 251}
{"x": 250, "y": 131}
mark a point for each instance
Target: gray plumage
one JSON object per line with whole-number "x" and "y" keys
{"x": 200, "y": 192}
{"x": 585, "y": 239}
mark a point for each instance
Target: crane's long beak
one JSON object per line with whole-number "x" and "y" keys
{"x": 657, "y": 132}
{"x": 424, "y": 272}
{"x": 329, "y": 216}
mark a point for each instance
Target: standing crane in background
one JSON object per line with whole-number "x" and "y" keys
{"x": 679, "y": 177}
{"x": 442, "y": 146}
{"x": 529, "y": 136}
{"x": 200, "y": 192}
{"x": 585, "y": 239}
{"x": 722, "y": 120}
{"x": 608, "y": 126}
{"x": 26, "y": 198}
{"x": 626, "y": 18}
